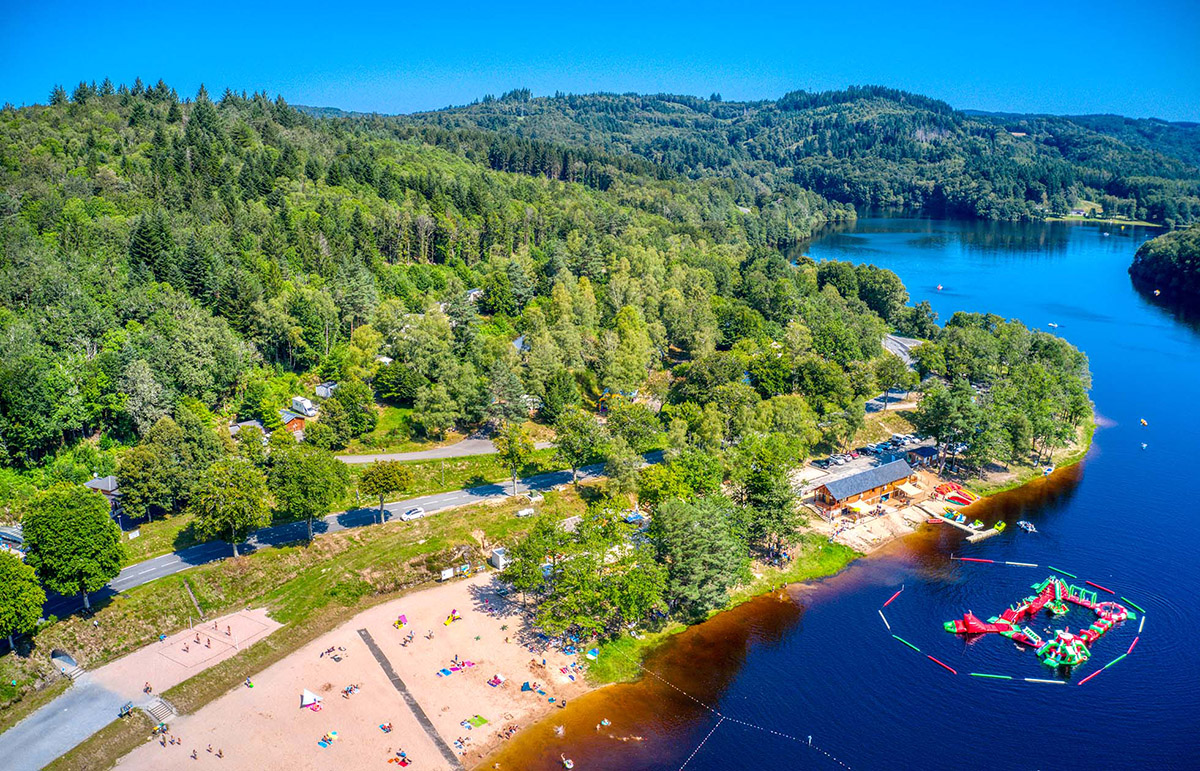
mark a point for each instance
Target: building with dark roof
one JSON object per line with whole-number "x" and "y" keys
{"x": 870, "y": 486}
{"x": 922, "y": 456}
{"x": 107, "y": 486}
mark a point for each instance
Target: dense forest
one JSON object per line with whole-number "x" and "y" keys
{"x": 160, "y": 250}
{"x": 171, "y": 265}
{"x": 876, "y": 147}
{"x": 1170, "y": 266}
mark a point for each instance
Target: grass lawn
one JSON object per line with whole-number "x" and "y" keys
{"x": 394, "y": 433}
{"x": 162, "y": 536}
{"x": 105, "y": 747}
{"x": 879, "y": 426}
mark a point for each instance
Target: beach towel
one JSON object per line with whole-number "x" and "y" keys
{"x": 444, "y": 673}
{"x": 478, "y": 721}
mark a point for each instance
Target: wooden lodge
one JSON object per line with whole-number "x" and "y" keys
{"x": 874, "y": 485}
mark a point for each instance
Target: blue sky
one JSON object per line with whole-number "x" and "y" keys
{"x": 1139, "y": 59}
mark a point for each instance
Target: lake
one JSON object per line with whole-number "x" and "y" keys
{"x": 819, "y": 663}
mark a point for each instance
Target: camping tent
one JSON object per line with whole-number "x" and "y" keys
{"x": 308, "y": 698}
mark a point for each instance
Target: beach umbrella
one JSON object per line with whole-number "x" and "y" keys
{"x": 308, "y": 698}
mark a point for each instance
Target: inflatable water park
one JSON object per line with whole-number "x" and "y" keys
{"x": 1053, "y": 596}
{"x": 1065, "y": 649}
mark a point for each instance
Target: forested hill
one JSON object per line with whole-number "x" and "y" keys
{"x": 874, "y": 146}
{"x": 158, "y": 251}
{"x": 1170, "y": 266}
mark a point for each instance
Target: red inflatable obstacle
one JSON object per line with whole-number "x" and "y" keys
{"x": 1053, "y": 594}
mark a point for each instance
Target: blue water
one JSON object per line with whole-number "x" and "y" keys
{"x": 821, "y": 663}
{"x": 1125, "y": 519}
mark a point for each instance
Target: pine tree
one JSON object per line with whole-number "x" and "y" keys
{"x": 58, "y": 96}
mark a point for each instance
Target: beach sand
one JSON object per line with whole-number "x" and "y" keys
{"x": 264, "y": 727}
{"x": 169, "y": 662}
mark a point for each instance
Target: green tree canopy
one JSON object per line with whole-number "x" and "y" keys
{"x": 73, "y": 543}
{"x": 384, "y": 477}
{"x": 21, "y": 598}
{"x": 231, "y": 500}
{"x": 307, "y": 482}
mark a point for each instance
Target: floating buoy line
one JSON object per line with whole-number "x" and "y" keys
{"x": 1066, "y": 648}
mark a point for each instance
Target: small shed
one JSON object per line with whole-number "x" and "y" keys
{"x": 325, "y": 390}
{"x": 292, "y": 422}
{"x": 499, "y": 558}
{"x": 922, "y": 456}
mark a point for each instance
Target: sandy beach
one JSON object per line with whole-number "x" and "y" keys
{"x": 427, "y": 702}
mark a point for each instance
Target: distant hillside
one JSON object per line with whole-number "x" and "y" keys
{"x": 875, "y": 146}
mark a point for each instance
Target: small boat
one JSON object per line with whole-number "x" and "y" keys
{"x": 1144, "y": 423}
{"x": 977, "y": 525}
{"x": 1157, "y": 292}
{"x": 939, "y": 287}
{"x": 999, "y": 527}
{"x": 933, "y": 521}
{"x": 1047, "y": 471}
{"x": 1027, "y": 526}
{"x": 567, "y": 762}
{"x": 1052, "y": 324}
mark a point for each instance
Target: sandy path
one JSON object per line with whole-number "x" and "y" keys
{"x": 264, "y": 727}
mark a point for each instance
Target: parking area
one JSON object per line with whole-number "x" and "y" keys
{"x": 820, "y": 471}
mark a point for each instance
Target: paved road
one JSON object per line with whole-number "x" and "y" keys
{"x": 902, "y": 347}
{"x": 81, "y": 711}
{"x": 456, "y": 450}
{"x": 278, "y": 535}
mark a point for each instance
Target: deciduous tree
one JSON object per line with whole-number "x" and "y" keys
{"x": 231, "y": 500}
{"x": 73, "y": 543}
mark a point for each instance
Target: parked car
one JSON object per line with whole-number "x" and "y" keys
{"x": 414, "y": 513}
{"x": 822, "y": 462}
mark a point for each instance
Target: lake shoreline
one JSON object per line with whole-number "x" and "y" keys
{"x": 656, "y": 644}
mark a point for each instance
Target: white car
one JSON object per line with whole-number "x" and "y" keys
{"x": 414, "y": 513}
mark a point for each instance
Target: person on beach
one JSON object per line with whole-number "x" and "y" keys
{"x": 220, "y": 753}
{"x": 207, "y": 643}
{"x": 228, "y": 631}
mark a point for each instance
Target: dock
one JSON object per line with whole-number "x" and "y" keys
{"x": 974, "y": 536}
{"x": 982, "y": 535}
